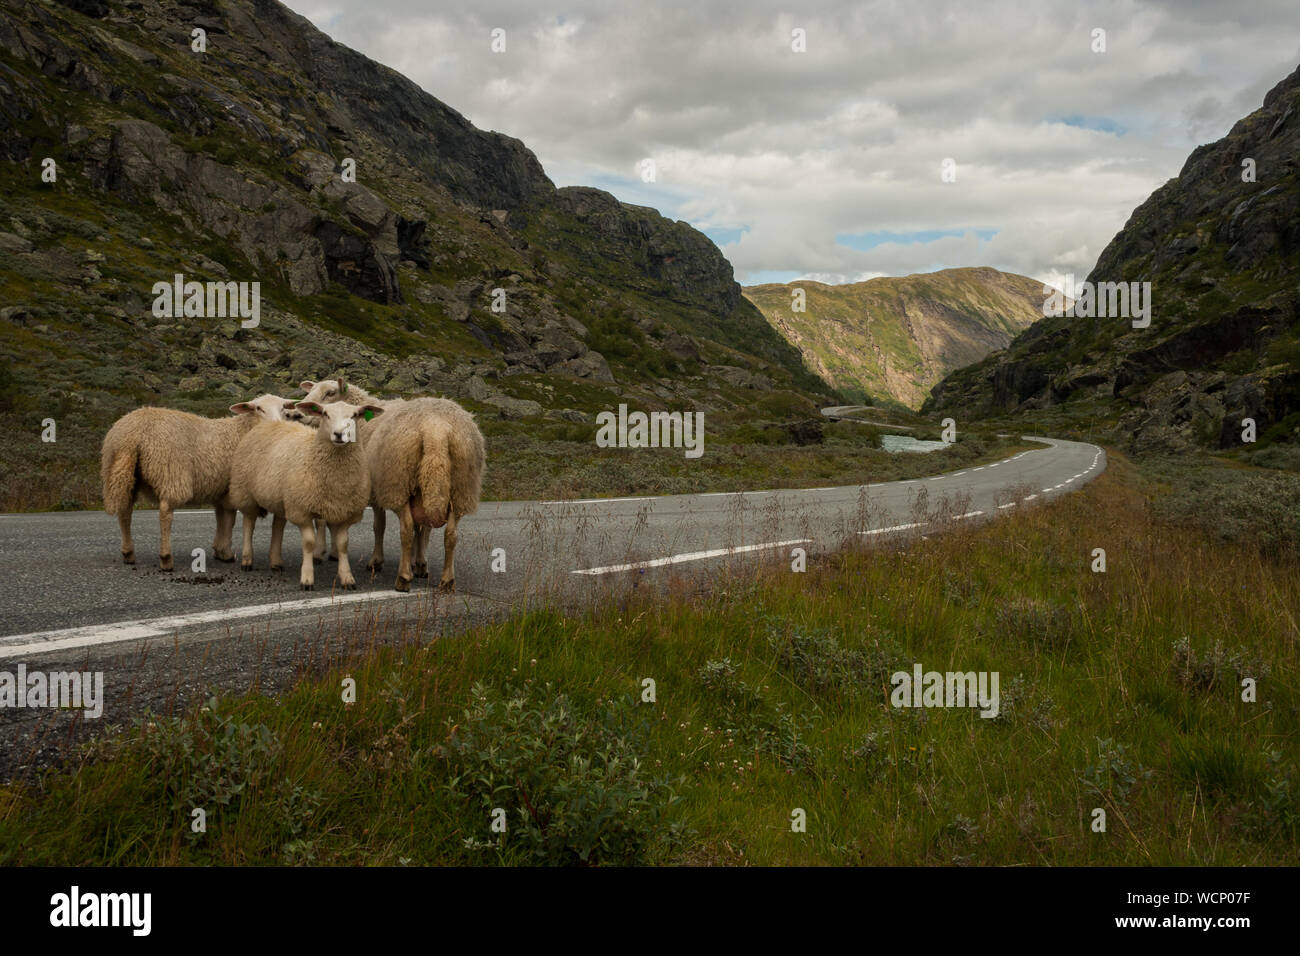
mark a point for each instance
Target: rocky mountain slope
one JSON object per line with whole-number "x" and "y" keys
{"x": 893, "y": 338}
{"x": 1221, "y": 249}
{"x": 451, "y": 264}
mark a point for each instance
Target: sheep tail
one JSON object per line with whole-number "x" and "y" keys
{"x": 435, "y": 474}
{"x": 117, "y": 469}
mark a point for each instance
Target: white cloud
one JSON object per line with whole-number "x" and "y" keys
{"x": 847, "y": 138}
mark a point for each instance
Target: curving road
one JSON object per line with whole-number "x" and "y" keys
{"x": 66, "y": 592}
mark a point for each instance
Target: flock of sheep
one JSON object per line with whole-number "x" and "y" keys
{"x": 316, "y": 463}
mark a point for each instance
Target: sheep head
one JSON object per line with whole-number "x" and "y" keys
{"x": 338, "y": 420}
{"x": 326, "y": 390}
{"x": 269, "y": 408}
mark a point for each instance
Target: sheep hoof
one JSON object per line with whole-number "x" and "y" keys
{"x": 308, "y": 587}
{"x": 165, "y": 562}
{"x": 348, "y": 585}
{"x": 375, "y": 565}
{"x": 246, "y": 566}
{"x": 334, "y": 557}
{"x": 448, "y": 585}
{"x": 128, "y": 557}
{"x": 278, "y": 567}
{"x": 403, "y": 584}
{"x": 227, "y": 558}
{"x": 421, "y": 570}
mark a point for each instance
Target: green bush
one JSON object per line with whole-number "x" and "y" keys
{"x": 574, "y": 785}
{"x": 817, "y": 662}
{"x": 747, "y": 718}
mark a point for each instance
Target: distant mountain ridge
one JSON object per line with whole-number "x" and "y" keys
{"x": 893, "y": 338}
{"x": 1220, "y": 245}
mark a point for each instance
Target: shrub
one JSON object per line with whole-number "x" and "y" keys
{"x": 817, "y": 662}
{"x": 574, "y": 784}
{"x": 746, "y": 716}
{"x": 1037, "y": 622}
{"x": 213, "y": 760}
{"x": 1216, "y": 666}
{"x": 1114, "y": 773}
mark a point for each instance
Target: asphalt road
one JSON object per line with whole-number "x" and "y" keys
{"x": 161, "y": 638}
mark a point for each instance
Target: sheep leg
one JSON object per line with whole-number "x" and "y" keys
{"x": 277, "y": 538}
{"x": 377, "y": 556}
{"x": 165, "y": 534}
{"x": 448, "y": 582}
{"x": 318, "y": 555}
{"x": 221, "y": 544}
{"x": 246, "y": 555}
{"x": 308, "y": 578}
{"x": 421, "y": 567}
{"x": 339, "y": 535}
{"x": 407, "y": 525}
{"x": 128, "y": 546}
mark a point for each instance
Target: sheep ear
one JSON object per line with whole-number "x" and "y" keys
{"x": 306, "y": 386}
{"x": 243, "y": 408}
{"x": 310, "y": 407}
{"x": 368, "y": 412}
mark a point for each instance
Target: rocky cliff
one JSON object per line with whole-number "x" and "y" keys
{"x": 389, "y": 235}
{"x": 1220, "y": 245}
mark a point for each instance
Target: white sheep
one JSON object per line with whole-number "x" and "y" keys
{"x": 426, "y": 459}
{"x": 179, "y": 460}
{"x": 301, "y": 474}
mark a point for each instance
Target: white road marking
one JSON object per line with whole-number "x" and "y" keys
{"x": 690, "y": 556}
{"x": 901, "y": 527}
{"x": 969, "y": 514}
{"x": 593, "y": 501}
{"x": 95, "y": 635}
{"x": 1009, "y": 504}
{"x": 1031, "y": 497}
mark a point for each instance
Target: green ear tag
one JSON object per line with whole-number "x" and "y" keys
{"x": 369, "y": 414}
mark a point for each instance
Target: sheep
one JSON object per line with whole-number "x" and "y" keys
{"x": 300, "y": 474}
{"x": 179, "y": 460}
{"x": 426, "y": 460}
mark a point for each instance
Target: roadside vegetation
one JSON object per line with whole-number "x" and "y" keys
{"x": 1119, "y": 690}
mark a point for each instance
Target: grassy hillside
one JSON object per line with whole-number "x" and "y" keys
{"x": 451, "y": 265}
{"x": 893, "y": 338}
{"x": 1120, "y": 691}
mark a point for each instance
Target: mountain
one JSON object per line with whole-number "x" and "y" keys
{"x": 894, "y": 338}
{"x": 1221, "y": 249}
{"x": 449, "y": 263}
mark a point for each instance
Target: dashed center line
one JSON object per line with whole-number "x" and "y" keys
{"x": 690, "y": 556}
{"x": 899, "y": 527}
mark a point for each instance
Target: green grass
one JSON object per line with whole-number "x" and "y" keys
{"x": 1119, "y": 691}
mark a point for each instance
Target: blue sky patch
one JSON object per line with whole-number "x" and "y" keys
{"x": 862, "y": 241}
{"x": 1098, "y": 123}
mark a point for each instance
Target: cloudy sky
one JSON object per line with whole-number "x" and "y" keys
{"x": 828, "y": 163}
